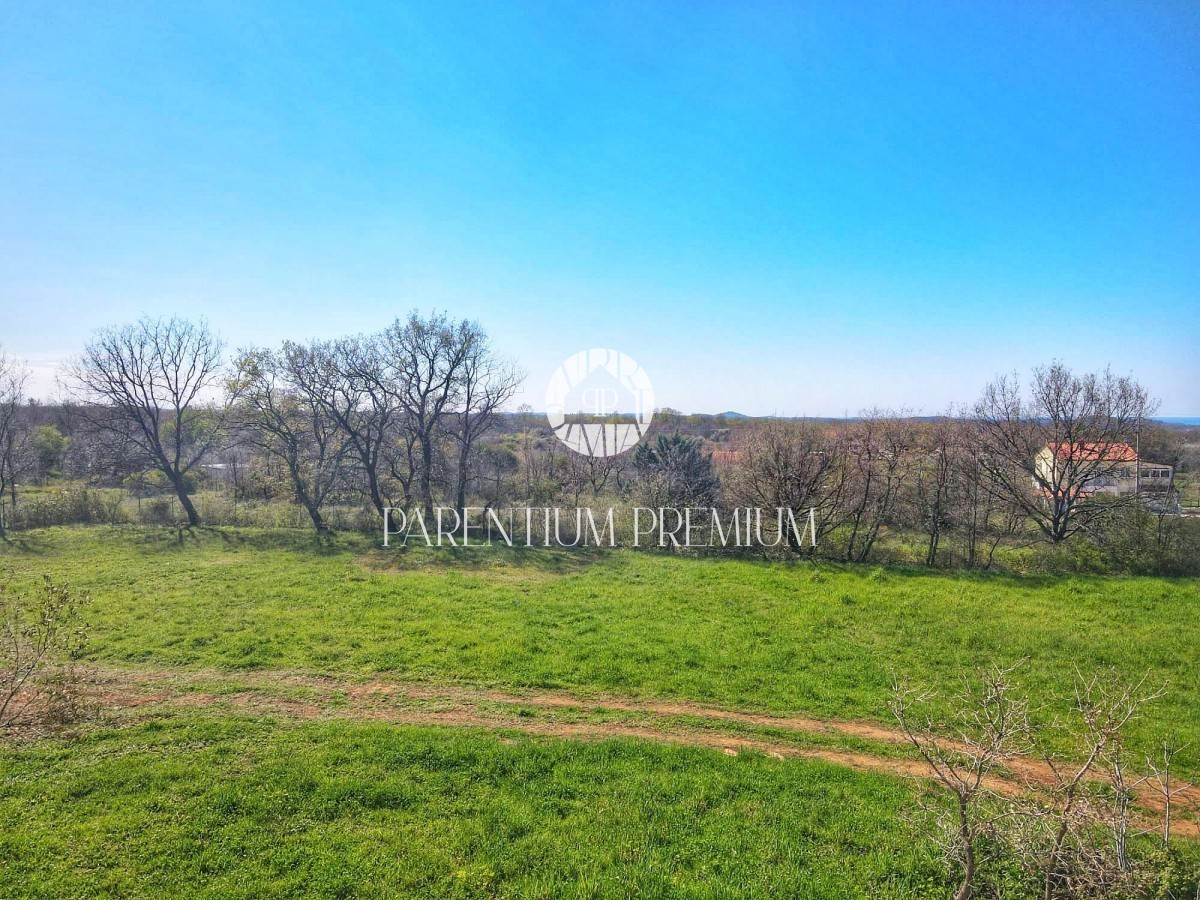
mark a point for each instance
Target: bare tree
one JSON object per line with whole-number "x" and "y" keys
{"x": 879, "y": 454}
{"x": 352, "y": 382}
{"x": 986, "y": 514}
{"x": 146, "y": 382}
{"x": 1073, "y": 421}
{"x": 796, "y": 466}
{"x": 1068, "y": 819}
{"x": 497, "y": 464}
{"x": 675, "y": 471}
{"x": 428, "y": 357}
{"x": 13, "y": 377}
{"x": 485, "y": 383}
{"x": 1068, "y": 860}
{"x": 990, "y": 723}
{"x": 600, "y": 470}
{"x": 279, "y": 416}
{"x": 933, "y": 487}
{"x": 1161, "y": 774}
{"x": 574, "y": 475}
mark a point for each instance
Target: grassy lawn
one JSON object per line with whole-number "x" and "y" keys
{"x": 246, "y": 801}
{"x": 247, "y": 807}
{"x": 778, "y": 637}
{"x": 798, "y": 638}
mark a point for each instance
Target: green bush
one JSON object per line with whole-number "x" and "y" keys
{"x": 72, "y": 505}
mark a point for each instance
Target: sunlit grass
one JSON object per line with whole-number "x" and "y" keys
{"x": 236, "y": 807}
{"x": 798, "y": 638}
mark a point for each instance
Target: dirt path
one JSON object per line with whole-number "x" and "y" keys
{"x": 556, "y": 715}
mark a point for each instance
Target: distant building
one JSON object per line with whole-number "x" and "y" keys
{"x": 1125, "y": 473}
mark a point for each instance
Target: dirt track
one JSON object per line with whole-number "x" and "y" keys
{"x": 556, "y": 715}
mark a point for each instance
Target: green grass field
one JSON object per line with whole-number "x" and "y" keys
{"x": 247, "y": 808}
{"x": 240, "y": 804}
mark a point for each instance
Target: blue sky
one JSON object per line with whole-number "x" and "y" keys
{"x": 776, "y": 208}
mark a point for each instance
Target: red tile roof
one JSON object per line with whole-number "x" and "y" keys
{"x": 1089, "y": 450}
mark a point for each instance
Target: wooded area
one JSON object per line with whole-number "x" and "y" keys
{"x": 157, "y": 413}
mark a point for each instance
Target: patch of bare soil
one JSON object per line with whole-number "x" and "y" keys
{"x": 413, "y": 703}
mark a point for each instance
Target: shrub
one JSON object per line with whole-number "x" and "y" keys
{"x": 74, "y": 505}
{"x": 41, "y": 639}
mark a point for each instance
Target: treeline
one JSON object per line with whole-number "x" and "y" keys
{"x": 415, "y": 416}
{"x": 391, "y": 418}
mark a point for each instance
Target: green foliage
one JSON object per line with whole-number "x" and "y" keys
{"x": 157, "y": 482}
{"x": 49, "y": 444}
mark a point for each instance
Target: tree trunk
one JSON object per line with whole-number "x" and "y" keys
{"x": 185, "y": 500}
{"x": 426, "y": 476}
{"x": 373, "y": 488}
{"x": 968, "y": 883}
{"x": 314, "y": 513}
{"x": 310, "y": 505}
{"x": 460, "y": 497}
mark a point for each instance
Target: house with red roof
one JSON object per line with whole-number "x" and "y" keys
{"x": 1107, "y": 467}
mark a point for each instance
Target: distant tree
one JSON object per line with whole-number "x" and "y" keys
{"x": 938, "y": 446}
{"x": 879, "y": 449}
{"x": 354, "y": 382}
{"x": 530, "y": 439}
{"x": 13, "y": 377}
{"x": 279, "y": 416}
{"x": 670, "y": 417}
{"x": 792, "y": 465}
{"x": 985, "y": 515}
{"x": 675, "y": 472}
{"x": 48, "y": 446}
{"x": 429, "y": 356}
{"x": 497, "y": 464}
{"x": 146, "y": 383}
{"x": 485, "y": 383}
{"x": 1161, "y": 444}
{"x": 1077, "y": 416}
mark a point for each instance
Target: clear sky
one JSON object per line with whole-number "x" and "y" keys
{"x": 775, "y": 208}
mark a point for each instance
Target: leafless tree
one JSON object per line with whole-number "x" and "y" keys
{"x": 497, "y": 465}
{"x": 1161, "y": 775}
{"x": 147, "y": 382}
{"x": 1067, "y": 819}
{"x": 599, "y": 471}
{"x": 985, "y": 513}
{"x": 1069, "y": 861}
{"x": 1076, "y": 417}
{"x": 574, "y": 475}
{"x": 989, "y": 721}
{"x": 537, "y": 452}
{"x": 486, "y": 382}
{"x": 796, "y": 466}
{"x": 277, "y": 414}
{"x": 879, "y": 450}
{"x": 428, "y": 356}
{"x": 13, "y": 377}
{"x": 938, "y": 447}
{"x": 353, "y": 383}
